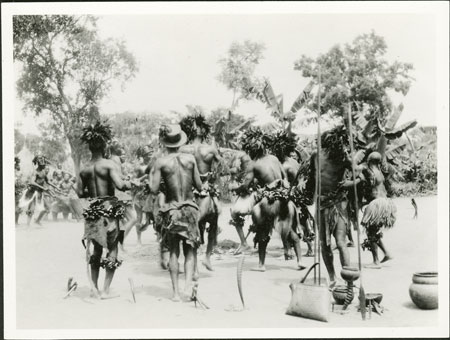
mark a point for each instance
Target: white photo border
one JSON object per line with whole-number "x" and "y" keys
{"x": 440, "y": 12}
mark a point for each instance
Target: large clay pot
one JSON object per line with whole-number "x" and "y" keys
{"x": 350, "y": 274}
{"x": 424, "y": 290}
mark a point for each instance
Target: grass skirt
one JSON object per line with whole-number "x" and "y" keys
{"x": 378, "y": 214}
{"x": 381, "y": 212}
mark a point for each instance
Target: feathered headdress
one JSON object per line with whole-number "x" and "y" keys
{"x": 336, "y": 143}
{"x": 97, "y": 135}
{"x": 40, "y": 160}
{"x": 255, "y": 142}
{"x": 140, "y": 151}
{"x": 189, "y": 125}
{"x": 283, "y": 144}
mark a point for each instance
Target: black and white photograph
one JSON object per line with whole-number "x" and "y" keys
{"x": 225, "y": 169}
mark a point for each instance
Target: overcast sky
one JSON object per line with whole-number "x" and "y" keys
{"x": 178, "y": 56}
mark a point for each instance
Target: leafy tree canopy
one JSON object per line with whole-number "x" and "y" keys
{"x": 357, "y": 73}
{"x": 238, "y": 68}
{"x": 67, "y": 69}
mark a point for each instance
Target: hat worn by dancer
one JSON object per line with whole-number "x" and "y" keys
{"x": 171, "y": 136}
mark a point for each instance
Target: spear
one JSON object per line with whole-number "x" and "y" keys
{"x": 362, "y": 295}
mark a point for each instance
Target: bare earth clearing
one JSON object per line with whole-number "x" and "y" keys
{"x": 47, "y": 256}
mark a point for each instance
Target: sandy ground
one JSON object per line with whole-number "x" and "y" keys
{"x": 47, "y": 256}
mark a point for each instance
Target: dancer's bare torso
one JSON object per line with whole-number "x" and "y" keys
{"x": 205, "y": 155}
{"x": 331, "y": 173}
{"x": 100, "y": 178}
{"x": 41, "y": 179}
{"x": 375, "y": 180}
{"x": 87, "y": 188}
{"x": 180, "y": 174}
{"x": 265, "y": 170}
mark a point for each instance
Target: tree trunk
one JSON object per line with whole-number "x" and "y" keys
{"x": 76, "y": 163}
{"x": 76, "y": 157}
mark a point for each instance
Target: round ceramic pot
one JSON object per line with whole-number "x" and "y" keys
{"x": 350, "y": 274}
{"x": 424, "y": 290}
{"x": 339, "y": 294}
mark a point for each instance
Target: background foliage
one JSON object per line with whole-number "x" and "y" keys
{"x": 66, "y": 69}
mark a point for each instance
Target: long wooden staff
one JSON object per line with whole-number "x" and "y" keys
{"x": 362, "y": 295}
{"x": 318, "y": 185}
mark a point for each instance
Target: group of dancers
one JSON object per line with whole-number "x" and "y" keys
{"x": 44, "y": 194}
{"x": 175, "y": 188}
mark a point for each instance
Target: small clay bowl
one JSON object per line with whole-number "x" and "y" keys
{"x": 339, "y": 294}
{"x": 350, "y": 274}
{"x": 377, "y": 297}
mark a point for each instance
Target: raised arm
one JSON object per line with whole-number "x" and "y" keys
{"x": 248, "y": 178}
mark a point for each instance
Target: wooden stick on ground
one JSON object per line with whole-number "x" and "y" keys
{"x": 132, "y": 289}
{"x": 71, "y": 290}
